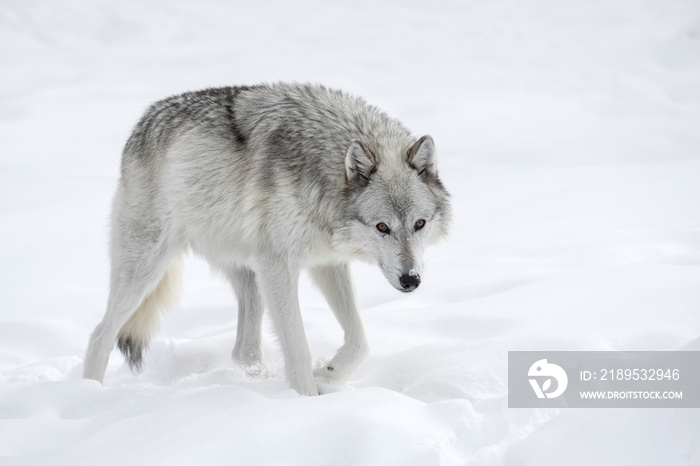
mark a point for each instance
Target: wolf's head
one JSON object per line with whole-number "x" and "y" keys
{"x": 397, "y": 206}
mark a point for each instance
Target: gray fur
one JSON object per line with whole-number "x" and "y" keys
{"x": 263, "y": 181}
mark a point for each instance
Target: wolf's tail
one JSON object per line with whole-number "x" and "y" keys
{"x": 135, "y": 334}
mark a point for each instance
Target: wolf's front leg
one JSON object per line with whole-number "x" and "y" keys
{"x": 248, "y": 349}
{"x": 278, "y": 283}
{"x": 335, "y": 282}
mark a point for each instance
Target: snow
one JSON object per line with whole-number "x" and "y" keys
{"x": 567, "y": 134}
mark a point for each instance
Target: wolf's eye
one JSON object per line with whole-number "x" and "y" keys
{"x": 382, "y": 227}
{"x": 420, "y": 224}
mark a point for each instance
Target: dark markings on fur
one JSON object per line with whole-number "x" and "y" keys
{"x": 133, "y": 352}
{"x": 412, "y": 152}
{"x": 230, "y": 99}
{"x": 433, "y": 182}
{"x": 371, "y": 156}
{"x": 353, "y": 189}
{"x": 330, "y": 368}
{"x": 361, "y": 219}
{"x": 428, "y": 178}
{"x": 233, "y": 93}
{"x": 286, "y": 145}
{"x": 153, "y": 132}
{"x": 361, "y": 179}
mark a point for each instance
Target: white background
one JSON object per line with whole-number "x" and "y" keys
{"x": 568, "y": 134}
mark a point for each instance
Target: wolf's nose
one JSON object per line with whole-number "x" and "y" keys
{"x": 409, "y": 282}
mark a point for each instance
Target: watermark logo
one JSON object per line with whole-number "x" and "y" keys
{"x": 542, "y": 370}
{"x": 604, "y": 379}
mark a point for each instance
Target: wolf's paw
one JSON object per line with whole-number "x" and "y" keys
{"x": 309, "y": 391}
{"x": 257, "y": 370}
{"x": 252, "y": 364}
{"x": 304, "y": 386}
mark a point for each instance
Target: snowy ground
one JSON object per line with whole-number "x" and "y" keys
{"x": 568, "y": 134}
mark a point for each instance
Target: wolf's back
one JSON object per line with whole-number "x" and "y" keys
{"x": 282, "y": 118}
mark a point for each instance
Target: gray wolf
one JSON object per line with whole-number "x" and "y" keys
{"x": 264, "y": 181}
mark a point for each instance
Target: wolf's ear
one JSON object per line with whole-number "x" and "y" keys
{"x": 421, "y": 156}
{"x": 360, "y": 163}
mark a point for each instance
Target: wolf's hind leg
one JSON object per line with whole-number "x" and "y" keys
{"x": 335, "y": 282}
{"x": 145, "y": 279}
{"x": 247, "y": 351}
